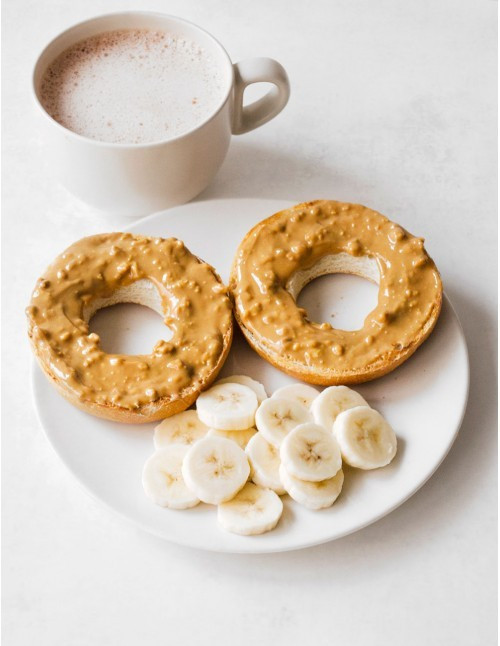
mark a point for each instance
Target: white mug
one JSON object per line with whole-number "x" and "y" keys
{"x": 136, "y": 179}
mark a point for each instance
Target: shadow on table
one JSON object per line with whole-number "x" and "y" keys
{"x": 253, "y": 170}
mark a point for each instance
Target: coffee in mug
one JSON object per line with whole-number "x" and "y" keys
{"x": 132, "y": 86}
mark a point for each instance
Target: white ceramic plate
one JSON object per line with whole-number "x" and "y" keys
{"x": 424, "y": 400}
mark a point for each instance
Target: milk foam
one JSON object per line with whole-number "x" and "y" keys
{"x": 132, "y": 86}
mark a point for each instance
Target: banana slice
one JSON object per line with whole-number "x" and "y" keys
{"x": 240, "y": 437}
{"x": 314, "y": 495}
{"x": 276, "y": 417}
{"x": 333, "y": 401}
{"x": 253, "y": 510}
{"x": 302, "y": 393}
{"x": 264, "y": 463}
{"x": 183, "y": 428}
{"x": 162, "y": 479}
{"x": 215, "y": 469}
{"x": 256, "y": 386}
{"x": 310, "y": 452}
{"x": 227, "y": 407}
{"x": 366, "y": 440}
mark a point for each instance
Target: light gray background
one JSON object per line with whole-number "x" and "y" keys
{"x": 393, "y": 106}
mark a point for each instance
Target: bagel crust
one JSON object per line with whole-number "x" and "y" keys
{"x": 114, "y": 268}
{"x": 281, "y": 254}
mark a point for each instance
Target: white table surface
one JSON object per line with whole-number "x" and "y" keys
{"x": 393, "y": 106}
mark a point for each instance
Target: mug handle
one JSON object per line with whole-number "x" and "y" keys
{"x": 255, "y": 70}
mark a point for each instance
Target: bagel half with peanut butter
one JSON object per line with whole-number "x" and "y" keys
{"x": 283, "y": 253}
{"x": 115, "y": 268}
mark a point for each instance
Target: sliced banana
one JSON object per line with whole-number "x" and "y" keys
{"x": 276, "y": 417}
{"x": 331, "y": 402}
{"x": 256, "y": 386}
{"x": 366, "y": 440}
{"x": 253, "y": 510}
{"x": 163, "y": 481}
{"x": 302, "y": 393}
{"x": 310, "y": 452}
{"x": 227, "y": 407}
{"x": 314, "y": 495}
{"x": 183, "y": 428}
{"x": 215, "y": 469}
{"x": 240, "y": 437}
{"x": 264, "y": 463}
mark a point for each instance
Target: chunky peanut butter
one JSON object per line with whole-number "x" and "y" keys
{"x": 281, "y": 254}
{"x": 108, "y": 268}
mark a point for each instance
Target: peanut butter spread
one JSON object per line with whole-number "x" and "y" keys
{"x": 91, "y": 274}
{"x": 281, "y": 254}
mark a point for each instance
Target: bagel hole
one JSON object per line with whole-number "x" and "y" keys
{"x": 342, "y": 300}
{"x": 330, "y": 294}
{"x": 130, "y": 321}
{"x": 127, "y": 328}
